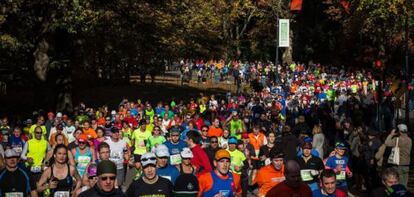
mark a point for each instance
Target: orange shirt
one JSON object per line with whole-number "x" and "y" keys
{"x": 257, "y": 141}
{"x": 205, "y": 183}
{"x": 268, "y": 177}
{"x": 213, "y": 131}
{"x": 52, "y": 140}
{"x": 90, "y": 133}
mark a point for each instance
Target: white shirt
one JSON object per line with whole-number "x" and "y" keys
{"x": 117, "y": 152}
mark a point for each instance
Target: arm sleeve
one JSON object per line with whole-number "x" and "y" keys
{"x": 24, "y": 151}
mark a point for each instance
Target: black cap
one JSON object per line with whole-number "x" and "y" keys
{"x": 106, "y": 166}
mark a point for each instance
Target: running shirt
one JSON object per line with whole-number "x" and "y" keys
{"x": 117, "y": 152}
{"x": 141, "y": 139}
{"x": 37, "y": 150}
{"x": 268, "y": 177}
{"x": 211, "y": 184}
{"x": 237, "y": 158}
{"x": 82, "y": 161}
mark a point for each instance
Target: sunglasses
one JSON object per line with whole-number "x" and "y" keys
{"x": 82, "y": 142}
{"x": 204, "y": 130}
{"x": 146, "y": 159}
{"x": 91, "y": 177}
{"x": 104, "y": 178}
{"x": 38, "y": 132}
{"x": 213, "y": 141}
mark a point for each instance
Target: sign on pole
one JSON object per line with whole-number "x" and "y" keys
{"x": 283, "y": 32}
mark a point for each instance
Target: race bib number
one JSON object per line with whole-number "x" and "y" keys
{"x": 175, "y": 159}
{"x": 341, "y": 176}
{"x": 35, "y": 169}
{"x": 62, "y": 194}
{"x": 306, "y": 175}
{"x": 224, "y": 193}
{"x": 14, "y": 194}
{"x": 83, "y": 161}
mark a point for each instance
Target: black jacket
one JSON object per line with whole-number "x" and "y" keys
{"x": 97, "y": 192}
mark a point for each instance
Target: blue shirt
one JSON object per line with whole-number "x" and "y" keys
{"x": 175, "y": 148}
{"x": 169, "y": 172}
{"x": 332, "y": 162}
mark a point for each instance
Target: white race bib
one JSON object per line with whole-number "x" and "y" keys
{"x": 83, "y": 161}
{"x": 175, "y": 159}
{"x": 62, "y": 194}
{"x": 14, "y": 194}
{"x": 341, "y": 176}
{"x": 35, "y": 169}
{"x": 306, "y": 175}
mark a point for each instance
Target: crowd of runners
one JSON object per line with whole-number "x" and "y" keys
{"x": 300, "y": 131}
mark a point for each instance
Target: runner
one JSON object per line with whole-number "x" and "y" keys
{"x": 150, "y": 183}
{"x": 83, "y": 154}
{"x": 164, "y": 169}
{"x": 220, "y": 181}
{"x": 59, "y": 178}
{"x": 328, "y": 185}
{"x": 105, "y": 186}
{"x": 14, "y": 181}
{"x": 272, "y": 174}
{"x": 186, "y": 184}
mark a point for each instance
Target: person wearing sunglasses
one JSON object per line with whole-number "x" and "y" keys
{"x": 83, "y": 154}
{"x": 150, "y": 184}
{"x": 106, "y": 180}
{"x": 35, "y": 151}
{"x": 212, "y": 149}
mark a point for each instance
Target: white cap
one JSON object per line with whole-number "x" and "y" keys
{"x": 59, "y": 115}
{"x": 186, "y": 153}
{"x": 113, "y": 112}
{"x": 9, "y": 153}
{"x": 148, "y": 159}
{"x": 162, "y": 151}
{"x": 402, "y": 128}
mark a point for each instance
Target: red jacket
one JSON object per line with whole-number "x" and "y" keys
{"x": 200, "y": 160}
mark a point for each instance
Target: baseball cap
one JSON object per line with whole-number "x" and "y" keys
{"x": 221, "y": 154}
{"x": 232, "y": 140}
{"x": 402, "y": 128}
{"x": 106, "y": 166}
{"x": 340, "y": 145}
{"x": 148, "y": 159}
{"x": 92, "y": 170}
{"x": 162, "y": 151}
{"x": 59, "y": 115}
{"x": 83, "y": 138}
{"x": 245, "y": 135}
{"x": 186, "y": 153}
{"x": 11, "y": 153}
{"x": 28, "y": 121}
